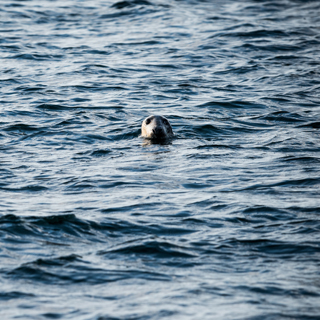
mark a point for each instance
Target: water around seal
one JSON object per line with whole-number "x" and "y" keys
{"x": 223, "y": 223}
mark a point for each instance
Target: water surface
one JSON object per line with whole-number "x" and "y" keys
{"x": 220, "y": 223}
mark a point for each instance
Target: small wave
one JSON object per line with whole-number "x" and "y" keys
{"x": 94, "y": 153}
{"x": 231, "y": 104}
{"x": 61, "y": 229}
{"x": 46, "y": 228}
{"x": 293, "y": 183}
{"x": 132, "y": 3}
{"x": 263, "y": 33}
{"x": 314, "y": 125}
{"x": 281, "y": 116}
{"x": 28, "y": 188}
{"x": 36, "y": 56}
{"x": 22, "y": 127}
{"x": 302, "y": 159}
{"x": 6, "y": 296}
{"x": 96, "y": 87}
{"x": 57, "y": 107}
{"x": 72, "y": 270}
{"x": 278, "y": 291}
{"x": 158, "y": 249}
{"x": 275, "y": 248}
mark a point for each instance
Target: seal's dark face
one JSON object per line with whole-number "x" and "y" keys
{"x": 156, "y": 128}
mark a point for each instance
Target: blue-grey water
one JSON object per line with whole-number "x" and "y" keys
{"x": 223, "y": 222}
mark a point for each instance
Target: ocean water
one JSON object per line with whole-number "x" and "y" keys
{"x": 222, "y": 222}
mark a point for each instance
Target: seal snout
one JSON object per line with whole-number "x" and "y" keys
{"x": 156, "y": 128}
{"x": 158, "y": 132}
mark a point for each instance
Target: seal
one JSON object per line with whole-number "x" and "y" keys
{"x": 156, "y": 128}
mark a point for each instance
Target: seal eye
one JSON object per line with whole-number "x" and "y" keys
{"x": 165, "y": 121}
{"x": 148, "y": 121}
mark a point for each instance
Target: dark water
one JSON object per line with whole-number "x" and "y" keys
{"x": 221, "y": 223}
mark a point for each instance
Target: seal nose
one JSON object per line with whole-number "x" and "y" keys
{"x": 158, "y": 132}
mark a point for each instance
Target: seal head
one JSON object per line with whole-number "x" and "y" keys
{"x": 156, "y": 128}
